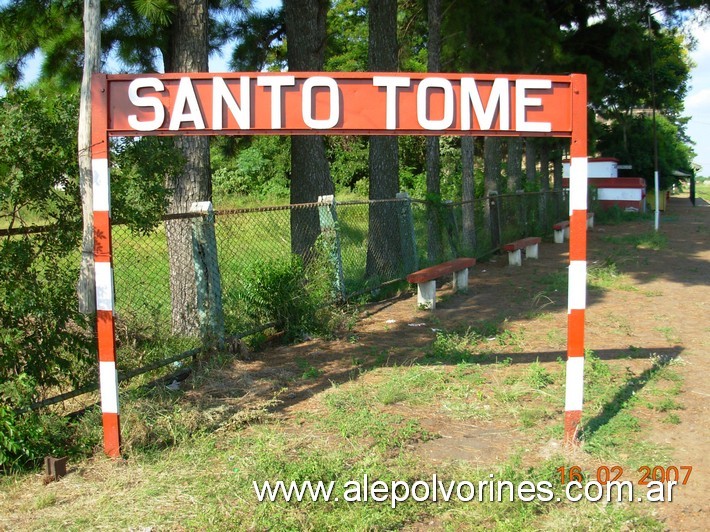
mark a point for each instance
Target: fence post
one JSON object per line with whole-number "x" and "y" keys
{"x": 452, "y": 230}
{"x": 494, "y": 221}
{"x": 207, "y": 280}
{"x": 329, "y": 229}
{"x": 542, "y": 213}
{"x": 408, "y": 239}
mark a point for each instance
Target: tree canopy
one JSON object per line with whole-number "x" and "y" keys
{"x": 634, "y": 53}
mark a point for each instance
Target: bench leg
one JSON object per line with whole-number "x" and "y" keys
{"x": 515, "y": 258}
{"x": 426, "y": 295}
{"x": 559, "y": 236}
{"x": 531, "y": 252}
{"x": 461, "y": 280}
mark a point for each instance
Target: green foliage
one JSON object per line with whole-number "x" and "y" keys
{"x": 138, "y": 174}
{"x": 538, "y": 377}
{"x": 27, "y": 437}
{"x": 156, "y": 11}
{"x": 45, "y": 343}
{"x": 41, "y": 332}
{"x": 631, "y": 141}
{"x": 348, "y": 157}
{"x": 259, "y": 167}
{"x": 38, "y": 163}
{"x": 652, "y": 240}
{"x": 288, "y": 293}
{"x": 347, "y": 36}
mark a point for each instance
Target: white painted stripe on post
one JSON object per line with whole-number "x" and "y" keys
{"x": 577, "y": 287}
{"x": 101, "y": 184}
{"x": 104, "y": 286}
{"x": 108, "y": 380}
{"x": 578, "y": 185}
{"x": 574, "y": 385}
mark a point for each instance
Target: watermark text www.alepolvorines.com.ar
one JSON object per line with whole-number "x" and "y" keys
{"x": 437, "y": 490}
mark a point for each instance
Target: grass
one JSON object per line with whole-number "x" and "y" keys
{"x": 702, "y": 189}
{"x": 652, "y": 240}
{"x": 192, "y": 459}
{"x": 612, "y": 433}
{"x": 203, "y": 479}
{"x": 192, "y": 462}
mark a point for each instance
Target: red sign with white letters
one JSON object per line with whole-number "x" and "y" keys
{"x": 339, "y": 103}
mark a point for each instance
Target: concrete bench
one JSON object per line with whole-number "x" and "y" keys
{"x": 426, "y": 279}
{"x": 530, "y": 244}
{"x": 561, "y": 229}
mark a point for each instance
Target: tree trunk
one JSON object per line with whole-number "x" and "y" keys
{"x": 514, "y": 164}
{"x": 188, "y": 53}
{"x": 86, "y": 286}
{"x": 491, "y": 173}
{"x": 544, "y": 164}
{"x": 310, "y": 173}
{"x": 557, "y": 168}
{"x": 433, "y": 164}
{"x": 531, "y": 160}
{"x": 544, "y": 216}
{"x": 384, "y": 243}
{"x": 468, "y": 188}
{"x": 557, "y": 172}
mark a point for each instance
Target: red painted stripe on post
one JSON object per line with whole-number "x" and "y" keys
{"x": 99, "y": 116}
{"x": 573, "y": 419}
{"x": 578, "y": 251}
{"x": 575, "y": 333}
{"x": 105, "y": 329}
{"x": 112, "y": 434}
{"x": 578, "y": 147}
{"x": 578, "y": 235}
{"x": 102, "y": 236}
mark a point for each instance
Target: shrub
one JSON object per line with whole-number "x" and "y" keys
{"x": 25, "y": 438}
{"x": 42, "y": 334}
{"x": 289, "y": 293}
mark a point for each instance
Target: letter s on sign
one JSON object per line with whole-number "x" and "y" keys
{"x": 146, "y": 101}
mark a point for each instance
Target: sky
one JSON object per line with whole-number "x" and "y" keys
{"x": 697, "y": 102}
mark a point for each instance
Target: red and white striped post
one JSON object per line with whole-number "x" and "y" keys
{"x": 108, "y": 375}
{"x": 577, "y": 280}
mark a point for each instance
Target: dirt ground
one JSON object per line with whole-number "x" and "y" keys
{"x": 663, "y": 310}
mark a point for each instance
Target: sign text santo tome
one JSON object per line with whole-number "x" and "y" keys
{"x": 302, "y": 103}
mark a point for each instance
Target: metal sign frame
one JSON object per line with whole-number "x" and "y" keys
{"x": 329, "y": 103}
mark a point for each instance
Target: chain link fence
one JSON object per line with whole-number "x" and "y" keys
{"x": 234, "y": 271}
{"x": 361, "y": 245}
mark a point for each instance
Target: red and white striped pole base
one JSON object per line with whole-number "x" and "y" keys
{"x": 103, "y": 268}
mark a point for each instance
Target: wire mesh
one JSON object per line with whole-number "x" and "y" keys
{"x": 372, "y": 247}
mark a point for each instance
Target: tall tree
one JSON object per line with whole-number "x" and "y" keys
{"x": 310, "y": 174}
{"x": 468, "y": 193}
{"x": 433, "y": 155}
{"x": 86, "y": 287}
{"x": 513, "y": 167}
{"x": 383, "y": 246}
{"x": 187, "y": 52}
{"x": 491, "y": 178}
{"x": 531, "y": 161}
